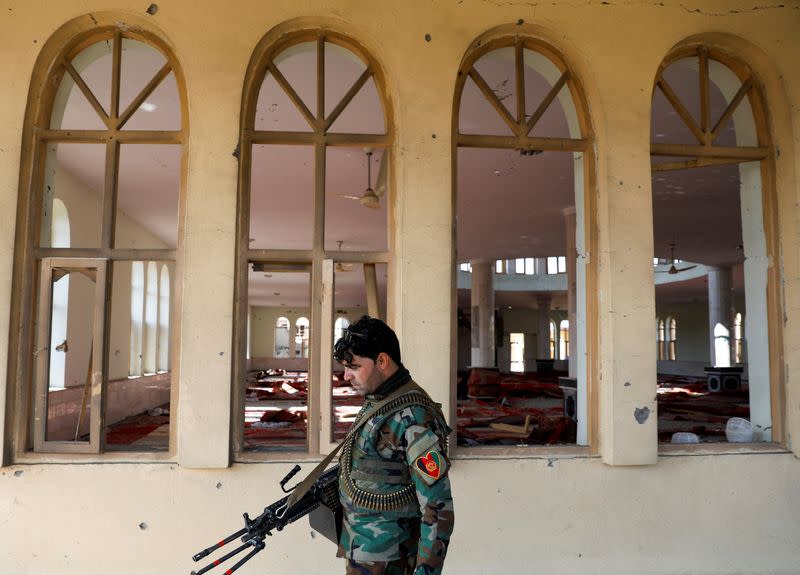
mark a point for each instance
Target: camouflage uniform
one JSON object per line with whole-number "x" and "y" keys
{"x": 394, "y": 487}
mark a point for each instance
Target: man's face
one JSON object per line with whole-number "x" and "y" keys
{"x": 363, "y": 374}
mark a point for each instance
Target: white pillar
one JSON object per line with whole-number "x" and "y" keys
{"x": 569, "y": 225}
{"x": 482, "y": 295}
{"x": 543, "y": 326}
{"x": 720, "y": 315}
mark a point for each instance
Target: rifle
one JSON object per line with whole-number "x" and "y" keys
{"x": 323, "y": 492}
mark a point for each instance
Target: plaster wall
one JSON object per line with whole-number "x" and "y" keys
{"x": 670, "y": 514}
{"x": 533, "y": 515}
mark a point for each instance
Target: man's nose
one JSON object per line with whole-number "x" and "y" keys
{"x": 348, "y": 375}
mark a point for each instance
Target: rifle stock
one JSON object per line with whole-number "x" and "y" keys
{"x": 324, "y": 491}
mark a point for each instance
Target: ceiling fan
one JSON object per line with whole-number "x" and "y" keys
{"x": 672, "y": 268}
{"x": 371, "y": 197}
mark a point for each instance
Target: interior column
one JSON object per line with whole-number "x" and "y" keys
{"x": 569, "y": 225}
{"x": 720, "y": 316}
{"x": 482, "y": 294}
{"x": 543, "y": 326}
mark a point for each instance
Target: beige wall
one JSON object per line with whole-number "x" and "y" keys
{"x": 710, "y": 513}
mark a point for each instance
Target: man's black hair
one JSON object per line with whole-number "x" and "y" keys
{"x": 367, "y": 337}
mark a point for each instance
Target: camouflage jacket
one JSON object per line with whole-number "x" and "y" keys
{"x": 394, "y": 483}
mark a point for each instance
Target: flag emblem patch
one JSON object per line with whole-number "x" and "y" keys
{"x": 430, "y": 464}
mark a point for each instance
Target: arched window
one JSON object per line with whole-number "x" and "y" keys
{"x": 282, "y": 327}
{"x": 301, "y": 337}
{"x": 339, "y": 326}
{"x": 314, "y": 171}
{"x": 672, "y": 340}
{"x": 106, "y": 100}
{"x": 553, "y": 340}
{"x": 563, "y": 339}
{"x": 710, "y": 145}
{"x": 519, "y": 112}
{"x": 163, "y": 320}
{"x": 59, "y": 237}
{"x": 660, "y": 338}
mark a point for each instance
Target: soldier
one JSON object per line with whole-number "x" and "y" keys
{"x": 393, "y": 483}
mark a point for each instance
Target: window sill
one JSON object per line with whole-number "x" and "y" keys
{"x": 278, "y": 457}
{"x": 676, "y": 450}
{"x": 524, "y": 452}
{"x": 31, "y": 458}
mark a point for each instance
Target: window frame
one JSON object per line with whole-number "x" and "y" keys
{"x": 317, "y": 259}
{"x": 706, "y": 153}
{"x": 521, "y": 127}
{"x": 53, "y": 63}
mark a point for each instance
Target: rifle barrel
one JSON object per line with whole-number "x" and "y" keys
{"x": 222, "y": 559}
{"x": 210, "y": 550}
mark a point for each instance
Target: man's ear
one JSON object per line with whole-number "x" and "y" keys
{"x": 382, "y": 360}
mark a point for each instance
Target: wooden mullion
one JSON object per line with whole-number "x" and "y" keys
{"x": 241, "y": 300}
{"x": 76, "y": 77}
{"x": 138, "y": 100}
{"x": 280, "y": 138}
{"x": 110, "y": 195}
{"x": 319, "y": 199}
{"x": 358, "y": 257}
{"x": 704, "y": 97}
{"x": 116, "y": 66}
{"x": 287, "y": 256}
{"x": 104, "y": 136}
{"x": 41, "y": 355}
{"x": 694, "y": 163}
{"x": 673, "y": 99}
{"x": 314, "y": 360}
{"x": 548, "y": 99}
{"x": 326, "y": 429}
{"x": 320, "y": 120}
{"x": 306, "y": 138}
{"x": 359, "y": 140}
{"x": 489, "y": 94}
{"x": 371, "y": 285}
{"x": 742, "y": 152}
{"x": 296, "y": 100}
{"x": 737, "y": 99}
{"x": 123, "y": 254}
{"x": 525, "y": 143}
{"x": 366, "y": 75}
{"x": 101, "y": 332}
{"x": 519, "y": 66}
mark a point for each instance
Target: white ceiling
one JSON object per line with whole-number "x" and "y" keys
{"x": 508, "y": 205}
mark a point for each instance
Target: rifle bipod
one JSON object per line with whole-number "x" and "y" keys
{"x": 253, "y": 535}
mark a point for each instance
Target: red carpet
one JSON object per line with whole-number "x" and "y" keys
{"x": 127, "y": 434}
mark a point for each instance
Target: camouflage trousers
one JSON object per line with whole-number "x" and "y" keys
{"x": 402, "y": 566}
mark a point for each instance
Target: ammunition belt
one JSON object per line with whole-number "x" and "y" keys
{"x": 371, "y": 499}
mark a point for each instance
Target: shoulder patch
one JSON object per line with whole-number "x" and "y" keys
{"x": 431, "y": 466}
